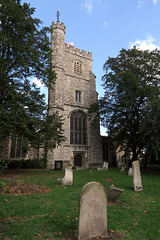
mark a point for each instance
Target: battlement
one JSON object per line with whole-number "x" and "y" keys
{"x": 58, "y": 25}
{"x": 77, "y": 51}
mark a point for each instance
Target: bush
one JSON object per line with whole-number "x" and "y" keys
{"x": 3, "y": 165}
{"x": 2, "y": 184}
{"x": 14, "y": 164}
{"x": 28, "y": 164}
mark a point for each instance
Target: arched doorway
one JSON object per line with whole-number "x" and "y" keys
{"x": 78, "y": 160}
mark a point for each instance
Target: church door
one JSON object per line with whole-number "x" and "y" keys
{"x": 78, "y": 160}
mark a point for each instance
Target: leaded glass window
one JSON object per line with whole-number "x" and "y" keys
{"x": 78, "y": 122}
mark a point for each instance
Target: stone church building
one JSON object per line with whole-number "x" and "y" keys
{"x": 73, "y": 94}
{"x": 74, "y": 91}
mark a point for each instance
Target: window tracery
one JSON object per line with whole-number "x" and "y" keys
{"x": 78, "y": 129}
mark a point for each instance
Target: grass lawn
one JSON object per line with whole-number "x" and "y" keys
{"x": 54, "y": 214}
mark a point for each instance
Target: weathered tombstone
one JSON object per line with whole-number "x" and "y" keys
{"x": 113, "y": 193}
{"x": 137, "y": 176}
{"x": 68, "y": 178}
{"x": 105, "y": 167}
{"x": 122, "y": 169}
{"x": 92, "y": 211}
{"x": 119, "y": 164}
{"x": 130, "y": 172}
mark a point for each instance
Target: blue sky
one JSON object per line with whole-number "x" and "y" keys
{"x": 104, "y": 27}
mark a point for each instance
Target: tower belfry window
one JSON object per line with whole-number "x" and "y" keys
{"x": 78, "y": 96}
{"x": 78, "y": 67}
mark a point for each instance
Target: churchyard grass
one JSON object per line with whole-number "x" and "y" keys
{"x": 54, "y": 215}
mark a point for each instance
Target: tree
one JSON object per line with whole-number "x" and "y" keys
{"x": 49, "y": 134}
{"x": 24, "y": 53}
{"x": 128, "y": 108}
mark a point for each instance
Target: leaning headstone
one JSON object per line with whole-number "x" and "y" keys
{"x": 130, "y": 172}
{"x": 68, "y": 178}
{"x": 92, "y": 211}
{"x": 137, "y": 176}
{"x": 113, "y": 193}
{"x": 105, "y": 167}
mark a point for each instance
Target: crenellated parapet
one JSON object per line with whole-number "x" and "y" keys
{"x": 59, "y": 25}
{"x": 77, "y": 51}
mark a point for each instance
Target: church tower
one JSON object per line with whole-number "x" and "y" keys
{"x": 73, "y": 93}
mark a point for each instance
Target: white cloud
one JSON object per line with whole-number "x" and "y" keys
{"x": 106, "y": 24}
{"x": 140, "y": 3}
{"x": 147, "y": 44}
{"x": 88, "y": 5}
{"x": 155, "y": 2}
{"x": 38, "y": 82}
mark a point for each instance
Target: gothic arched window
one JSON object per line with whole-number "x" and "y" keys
{"x": 77, "y": 67}
{"x": 78, "y": 129}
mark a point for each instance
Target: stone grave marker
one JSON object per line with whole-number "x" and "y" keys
{"x": 119, "y": 164}
{"x": 130, "y": 172}
{"x": 105, "y": 167}
{"x": 137, "y": 176}
{"x": 68, "y": 178}
{"x": 113, "y": 193}
{"x": 122, "y": 169}
{"x": 92, "y": 211}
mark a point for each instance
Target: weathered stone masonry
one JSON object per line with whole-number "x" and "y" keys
{"x": 74, "y": 92}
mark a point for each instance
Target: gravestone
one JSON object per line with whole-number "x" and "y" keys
{"x": 137, "y": 176}
{"x": 130, "y": 172}
{"x": 92, "y": 211}
{"x": 68, "y": 178}
{"x": 119, "y": 164}
{"x": 122, "y": 169}
{"x": 105, "y": 167}
{"x": 113, "y": 193}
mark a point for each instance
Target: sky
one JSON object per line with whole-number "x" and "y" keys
{"x": 103, "y": 27}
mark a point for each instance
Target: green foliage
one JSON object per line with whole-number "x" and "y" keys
{"x": 3, "y": 166}
{"x": 129, "y": 108}
{"x": 25, "y": 53}
{"x": 49, "y": 134}
{"x": 2, "y": 184}
{"x": 34, "y": 163}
